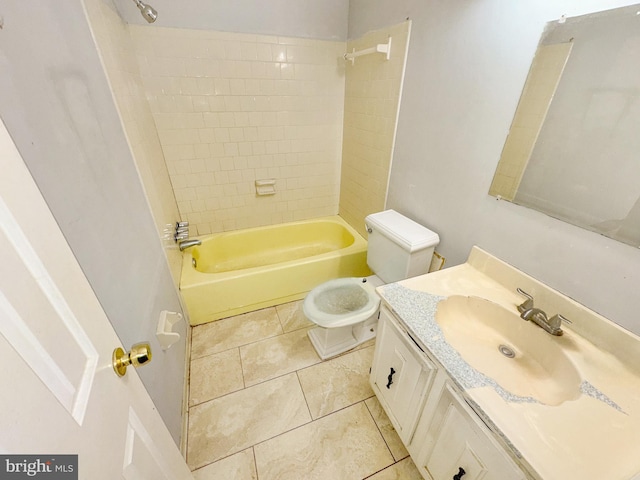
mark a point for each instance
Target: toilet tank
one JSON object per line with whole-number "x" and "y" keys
{"x": 398, "y": 247}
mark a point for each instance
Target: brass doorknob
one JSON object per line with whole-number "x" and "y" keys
{"x": 139, "y": 355}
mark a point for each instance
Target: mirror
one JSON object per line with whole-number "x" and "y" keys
{"x": 573, "y": 150}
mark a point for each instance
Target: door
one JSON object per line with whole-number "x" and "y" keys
{"x": 60, "y": 394}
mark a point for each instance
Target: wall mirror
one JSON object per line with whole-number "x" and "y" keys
{"x": 573, "y": 150}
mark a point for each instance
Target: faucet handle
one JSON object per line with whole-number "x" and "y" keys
{"x": 557, "y": 320}
{"x": 527, "y": 304}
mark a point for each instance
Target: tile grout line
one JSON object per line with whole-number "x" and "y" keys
{"x": 232, "y": 317}
{"x": 244, "y": 382}
{"x": 284, "y": 373}
{"x": 300, "y": 426}
{"x": 380, "y": 432}
{"x": 255, "y": 463}
{"x": 312, "y": 420}
{"x": 280, "y": 375}
{"x": 304, "y": 396}
{"x": 253, "y": 341}
{"x": 304, "y": 425}
{"x": 240, "y": 345}
{"x": 225, "y": 458}
{"x": 219, "y": 396}
{"x": 254, "y": 385}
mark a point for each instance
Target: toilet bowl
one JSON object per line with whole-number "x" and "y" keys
{"x": 346, "y": 310}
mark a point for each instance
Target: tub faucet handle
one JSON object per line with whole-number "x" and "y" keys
{"x": 181, "y": 231}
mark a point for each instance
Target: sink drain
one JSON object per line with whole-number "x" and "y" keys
{"x": 506, "y": 351}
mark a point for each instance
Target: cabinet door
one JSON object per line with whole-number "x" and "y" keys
{"x": 457, "y": 446}
{"x": 400, "y": 376}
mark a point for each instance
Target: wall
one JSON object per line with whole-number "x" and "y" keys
{"x": 466, "y": 66}
{"x": 318, "y": 19}
{"x": 114, "y": 44}
{"x": 372, "y": 96}
{"x": 234, "y": 108}
{"x": 57, "y": 106}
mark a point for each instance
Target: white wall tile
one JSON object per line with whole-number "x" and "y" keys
{"x": 248, "y": 107}
{"x": 372, "y": 94}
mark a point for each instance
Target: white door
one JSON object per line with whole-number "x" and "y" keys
{"x": 59, "y": 392}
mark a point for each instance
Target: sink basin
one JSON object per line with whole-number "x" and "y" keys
{"x": 518, "y": 355}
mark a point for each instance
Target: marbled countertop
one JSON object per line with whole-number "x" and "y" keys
{"x": 594, "y": 436}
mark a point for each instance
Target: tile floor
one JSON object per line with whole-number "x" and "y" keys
{"x": 262, "y": 405}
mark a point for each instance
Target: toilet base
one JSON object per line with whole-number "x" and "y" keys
{"x": 330, "y": 342}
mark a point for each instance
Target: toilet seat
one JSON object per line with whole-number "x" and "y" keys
{"x": 341, "y": 302}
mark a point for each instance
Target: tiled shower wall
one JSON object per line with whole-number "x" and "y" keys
{"x": 231, "y": 109}
{"x": 372, "y": 97}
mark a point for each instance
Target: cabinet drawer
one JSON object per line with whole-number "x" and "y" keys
{"x": 400, "y": 376}
{"x": 457, "y": 447}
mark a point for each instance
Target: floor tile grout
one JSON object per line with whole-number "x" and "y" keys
{"x": 276, "y": 377}
{"x": 257, "y": 341}
{"x": 304, "y": 394}
{"x": 380, "y": 431}
{"x": 255, "y": 463}
{"x": 237, "y": 346}
{"x": 244, "y": 381}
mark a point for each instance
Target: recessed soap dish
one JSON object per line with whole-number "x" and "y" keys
{"x": 266, "y": 186}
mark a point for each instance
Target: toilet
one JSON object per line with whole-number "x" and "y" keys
{"x": 346, "y": 310}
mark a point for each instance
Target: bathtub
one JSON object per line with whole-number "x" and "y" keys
{"x": 245, "y": 270}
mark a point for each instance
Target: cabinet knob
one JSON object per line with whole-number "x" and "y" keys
{"x": 390, "y": 378}
{"x": 460, "y": 473}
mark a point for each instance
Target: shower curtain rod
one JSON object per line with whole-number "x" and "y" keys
{"x": 379, "y": 48}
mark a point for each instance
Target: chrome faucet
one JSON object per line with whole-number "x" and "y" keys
{"x": 539, "y": 317}
{"x": 184, "y": 244}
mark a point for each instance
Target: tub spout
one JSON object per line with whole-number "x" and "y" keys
{"x": 184, "y": 244}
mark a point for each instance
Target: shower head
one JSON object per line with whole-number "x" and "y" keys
{"x": 148, "y": 12}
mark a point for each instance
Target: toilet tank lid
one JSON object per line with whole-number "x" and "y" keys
{"x": 410, "y": 235}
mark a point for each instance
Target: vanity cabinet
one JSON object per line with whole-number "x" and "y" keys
{"x": 457, "y": 441}
{"x": 445, "y": 437}
{"x": 400, "y": 375}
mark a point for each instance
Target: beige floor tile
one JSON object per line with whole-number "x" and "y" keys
{"x": 235, "y": 331}
{"x": 403, "y": 470}
{"x": 389, "y": 433}
{"x": 277, "y": 356}
{"x": 337, "y": 383}
{"x": 232, "y": 423}
{"x": 215, "y": 375}
{"x": 240, "y": 466}
{"x": 368, "y": 343}
{"x": 343, "y": 446}
{"x": 291, "y": 316}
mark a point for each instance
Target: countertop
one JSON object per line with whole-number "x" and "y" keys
{"x": 595, "y": 436}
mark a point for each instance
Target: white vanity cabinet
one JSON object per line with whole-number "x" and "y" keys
{"x": 457, "y": 443}
{"x": 400, "y": 375}
{"x": 445, "y": 437}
